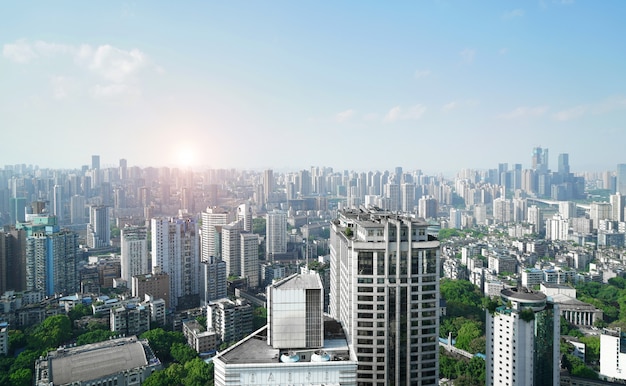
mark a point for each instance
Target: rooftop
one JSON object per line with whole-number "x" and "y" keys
{"x": 254, "y": 349}
{"x": 297, "y": 281}
{"x": 77, "y": 363}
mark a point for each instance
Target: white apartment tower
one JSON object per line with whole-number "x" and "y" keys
{"x": 557, "y": 228}
{"x": 176, "y": 250}
{"x": 99, "y": 227}
{"x": 427, "y": 207}
{"x": 250, "y": 258}
{"x": 212, "y": 218}
{"x": 613, "y": 354}
{"x": 134, "y": 252}
{"x": 244, "y": 214}
{"x": 523, "y": 341}
{"x": 384, "y": 289}
{"x": 276, "y": 234}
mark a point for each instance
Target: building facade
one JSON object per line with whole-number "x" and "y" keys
{"x": 176, "y": 251}
{"x": 523, "y": 340}
{"x": 385, "y": 291}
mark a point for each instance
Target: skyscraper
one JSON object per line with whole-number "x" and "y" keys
{"x": 540, "y": 160}
{"x": 250, "y": 258}
{"x": 276, "y": 234}
{"x": 51, "y": 257}
{"x": 564, "y": 164}
{"x": 212, "y": 218}
{"x": 213, "y": 284}
{"x": 523, "y": 341}
{"x": 95, "y": 162}
{"x": 99, "y": 227}
{"x": 176, "y": 251}
{"x": 134, "y": 252}
{"x": 385, "y": 291}
{"x": 620, "y": 181}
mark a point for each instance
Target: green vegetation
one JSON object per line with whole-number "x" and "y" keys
{"x": 259, "y": 317}
{"x": 348, "y": 232}
{"x": 464, "y": 372}
{"x": 527, "y": 315}
{"x": 259, "y": 225}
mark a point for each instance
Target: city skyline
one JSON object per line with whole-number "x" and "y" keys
{"x": 438, "y": 85}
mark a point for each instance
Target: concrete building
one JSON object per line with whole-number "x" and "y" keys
{"x": 613, "y": 354}
{"x": 77, "y": 209}
{"x": 599, "y": 211}
{"x": 523, "y": 340}
{"x": 299, "y": 346}
{"x": 231, "y": 320}
{"x": 199, "y": 338}
{"x": 51, "y": 257}
{"x": 213, "y": 285}
{"x": 502, "y": 210}
{"x": 211, "y": 219}
{"x": 155, "y": 284}
{"x": 249, "y": 264}
{"x": 428, "y": 207}
{"x": 134, "y": 252}
{"x": 557, "y": 228}
{"x": 99, "y": 227}
{"x": 276, "y": 234}
{"x": 176, "y": 251}
{"x": 122, "y": 362}
{"x": 384, "y": 289}
{"x": 4, "y": 338}
{"x": 130, "y": 319}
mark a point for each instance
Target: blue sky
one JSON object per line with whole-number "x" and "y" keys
{"x": 434, "y": 85}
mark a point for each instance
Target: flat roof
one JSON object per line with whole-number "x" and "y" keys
{"x": 96, "y": 360}
{"x": 255, "y": 349}
{"x": 299, "y": 281}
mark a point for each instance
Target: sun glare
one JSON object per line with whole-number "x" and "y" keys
{"x": 185, "y": 157}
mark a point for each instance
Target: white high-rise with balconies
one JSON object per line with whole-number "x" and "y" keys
{"x": 176, "y": 251}
{"x": 134, "y": 252}
{"x": 384, "y": 289}
{"x": 211, "y": 219}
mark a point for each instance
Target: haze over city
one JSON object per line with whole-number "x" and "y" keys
{"x": 435, "y": 85}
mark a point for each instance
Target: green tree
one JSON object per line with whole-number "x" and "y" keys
{"x": 94, "y": 337}
{"x": 53, "y": 331}
{"x": 199, "y": 373}
{"x": 259, "y": 226}
{"x": 467, "y": 334}
{"x": 161, "y": 341}
{"x": 79, "y": 311}
{"x": 21, "y": 377}
{"x": 592, "y": 349}
{"x": 158, "y": 378}
{"x": 182, "y": 353}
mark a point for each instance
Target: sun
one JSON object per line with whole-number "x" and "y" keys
{"x": 185, "y": 157}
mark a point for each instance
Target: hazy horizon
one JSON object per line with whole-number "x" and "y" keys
{"x": 438, "y": 85}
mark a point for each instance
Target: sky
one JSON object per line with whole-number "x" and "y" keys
{"x": 360, "y": 85}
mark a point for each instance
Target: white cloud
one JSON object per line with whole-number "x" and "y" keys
{"x": 398, "y": 113}
{"x": 115, "y": 64}
{"x": 421, "y": 73}
{"x": 344, "y": 115}
{"x": 115, "y": 91}
{"x": 468, "y": 55}
{"x": 62, "y": 86}
{"x": 453, "y": 105}
{"x": 105, "y": 62}
{"x": 525, "y": 112}
{"x": 513, "y": 14}
{"x": 450, "y": 106}
{"x": 569, "y": 114}
{"x": 20, "y": 51}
